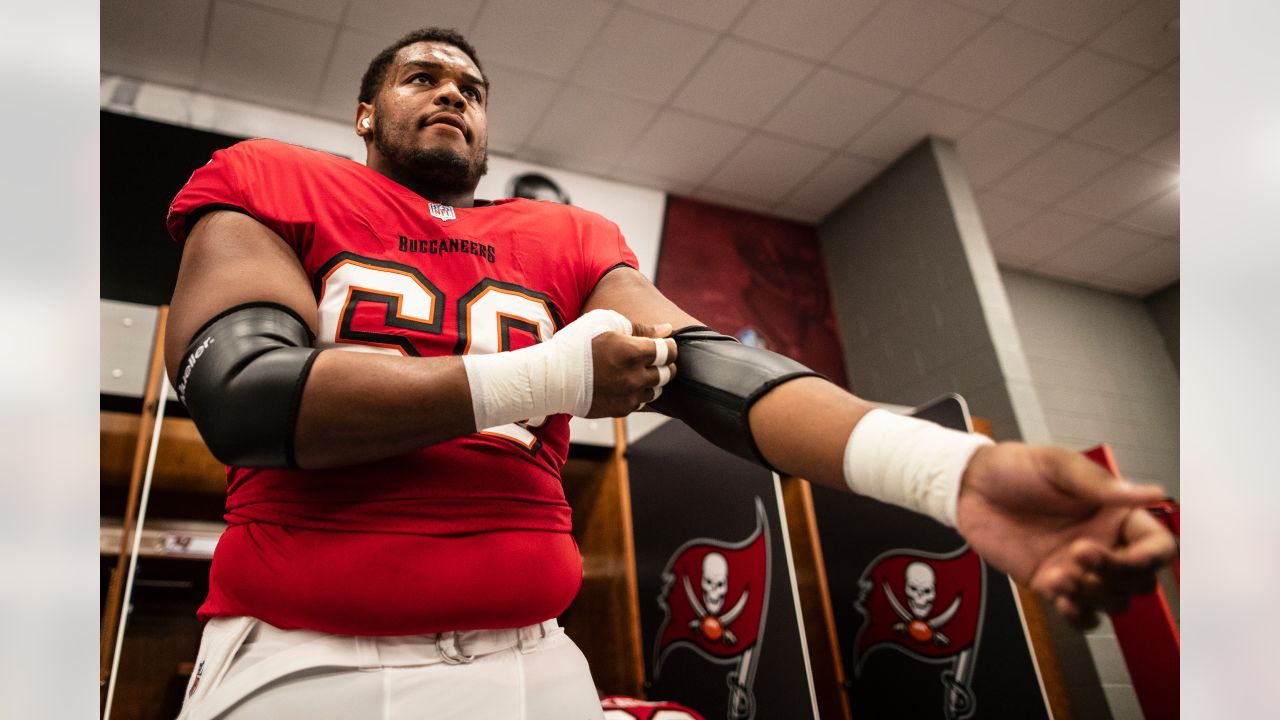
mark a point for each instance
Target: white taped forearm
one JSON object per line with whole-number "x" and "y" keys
{"x": 551, "y": 377}
{"x": 909, "y": 462}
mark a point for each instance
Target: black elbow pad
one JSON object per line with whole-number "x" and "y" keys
{"x": 241, "y": 379}
{"x": 717, "y": 381}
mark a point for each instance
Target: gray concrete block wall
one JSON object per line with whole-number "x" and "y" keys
{"x": 1100, "y": 366}
{"x": 1165, "y": 307}
{"x": 913, "y": 323}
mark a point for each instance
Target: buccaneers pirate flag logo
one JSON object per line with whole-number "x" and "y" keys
{"x": 715, "y": 595}
{"x": 929, "y": 607}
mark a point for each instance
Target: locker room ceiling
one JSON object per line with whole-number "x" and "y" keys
{"x": 1065, "y": 112}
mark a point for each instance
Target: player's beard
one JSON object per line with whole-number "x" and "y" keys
{"x": 441, "y": 169}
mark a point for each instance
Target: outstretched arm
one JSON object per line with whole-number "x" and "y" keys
{"x": 1049, "y": 518}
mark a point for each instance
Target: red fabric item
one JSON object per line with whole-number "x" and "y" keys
{"x": 752, "y": 276}
{"x": 426, "y": 541}
{"x": 1148, "y": 637}
{"x": 619, "y": 707}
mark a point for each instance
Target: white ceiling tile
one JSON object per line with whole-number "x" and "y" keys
{"x": 642, "y": 56}
{"x": 564, "y": 160}
{"x": 994, "y": 65}
{"x": 837, "y": 181}
{"x": 1073, "y": 91}
{"x": 1160, "y": 216}
{"x": 1143, "y": 34}
{"x": 243, "y": 41}
{"x": 1013, "y": 262}
{"x": 1094, "y": 255}
{"x": 1164, "y": 150}
{"x": 1107, "y": 286}
{"x": 830, "y": 108}
{"x": 798, "y": 214}
{"x": 326, "y": 10}
{"x": 1060, "y": 169}
{"x": 517, "y": 102}
{"x": 393, "y": 19}
{"x": 341, "y": 87}
{"x": 715, "y": 15}
{"x": 683, "y": 147}
{"x": 647, "y": 48}
{"x": 767, "y": 168}
{"x": 741, "y": 83}
{"x": 812, "y": 28}
{"x": 158, "y": 40}
{"x": 731, "y": 199}
{"x": 1156, "y": 268}
{"x": 1121, "y": 189}
{"x": 546, "y": 38}
{"x": 1001, "y": 214}
{"x": 1073, "y": 20}
{"x": 990, "y": 7}
{"x": 995, "y": 146}
{"x": 1042, "y": 236}
{"x": 907, "y": 39}
{"x": 657, "y": 182}
{"x": 908, "y": 123}
{"x": 590, "y": 126}
{"x": 1136, "y": 120}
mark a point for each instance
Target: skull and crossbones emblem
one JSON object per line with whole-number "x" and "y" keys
{"x": 714, "y": 625}
{"x": 922, "y": 590}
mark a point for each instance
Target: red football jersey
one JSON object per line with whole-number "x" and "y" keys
{"x": 469, "y": 533}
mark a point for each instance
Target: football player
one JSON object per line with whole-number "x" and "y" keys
{"x": 387, "y": 366}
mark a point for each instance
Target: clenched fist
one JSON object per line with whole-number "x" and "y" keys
{"x": 630, "y": 370}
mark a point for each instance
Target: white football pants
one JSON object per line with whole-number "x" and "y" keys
{"x": 247, "y": 669}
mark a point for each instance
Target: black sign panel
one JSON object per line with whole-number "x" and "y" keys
{"x": 717, "y": 608}
{"x": 926, "y": 628}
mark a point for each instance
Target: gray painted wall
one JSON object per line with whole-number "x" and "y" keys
{"x": 918, "y": 296}
{"x": 1165, "y": 309}
{"x": 1103, "y": 374}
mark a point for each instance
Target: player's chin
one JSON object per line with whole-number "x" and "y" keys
{"x": 443, "y": 136}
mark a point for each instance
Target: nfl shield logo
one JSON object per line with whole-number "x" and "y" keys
{"x": 444, "y": 212}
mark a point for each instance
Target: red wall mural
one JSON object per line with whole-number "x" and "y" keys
{"x": 757, "y": 278}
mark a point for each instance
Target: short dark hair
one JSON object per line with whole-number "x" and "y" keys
{"x": 377, "y": 70}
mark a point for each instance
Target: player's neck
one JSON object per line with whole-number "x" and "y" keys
{"x": 463, "y": 199}
{"x": 453, "y": 199}
{"x": 426, "y": 189}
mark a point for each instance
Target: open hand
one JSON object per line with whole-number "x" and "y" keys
{"x": 1058, "y": 523}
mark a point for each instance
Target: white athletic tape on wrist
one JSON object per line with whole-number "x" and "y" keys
{"x": 551, "y": 377}
{"x": 661, "y": 358}
{"x": 909, "y": 462}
